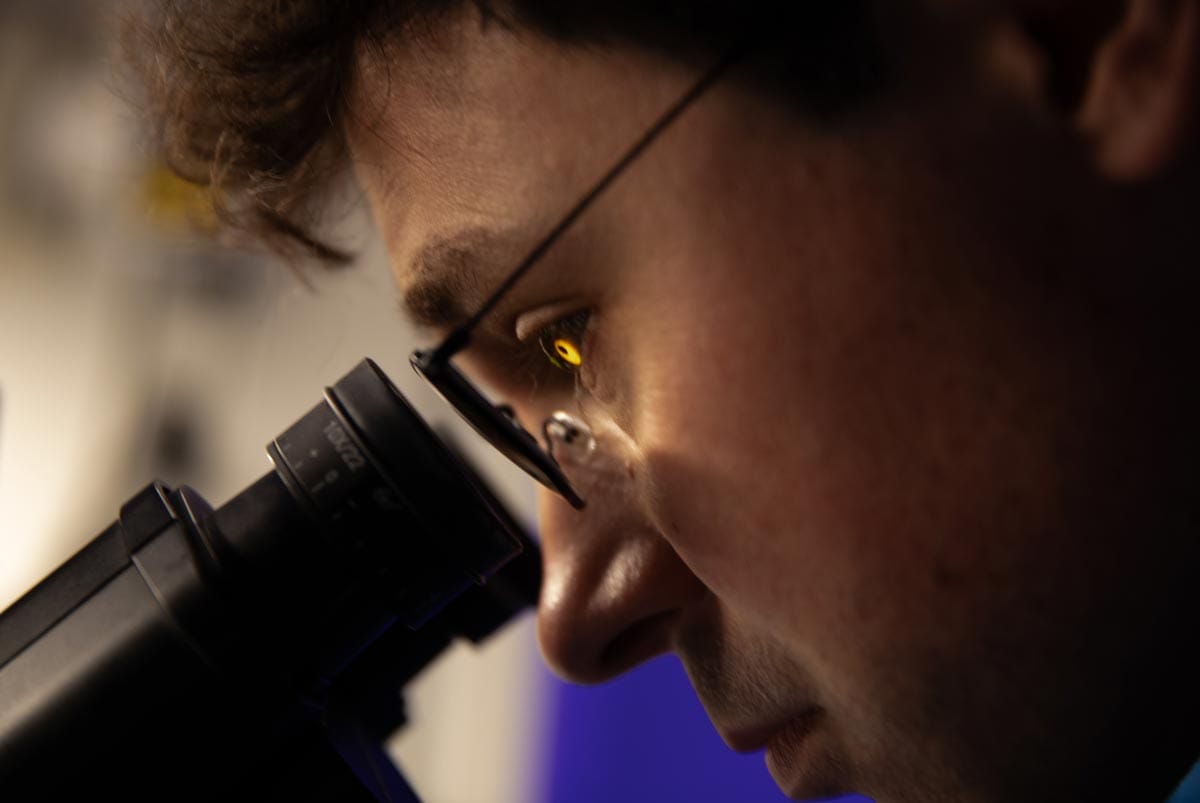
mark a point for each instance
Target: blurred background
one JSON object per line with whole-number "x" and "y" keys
{"x": 133, "y": 347}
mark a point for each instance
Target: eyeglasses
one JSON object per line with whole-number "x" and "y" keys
{"x": 497, "y": 423}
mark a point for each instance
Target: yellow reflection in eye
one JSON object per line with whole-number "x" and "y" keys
{"x": 568, "y": 352}
{"x": 562, "y": 341}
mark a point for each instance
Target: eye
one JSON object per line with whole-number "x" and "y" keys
{"x": 562, "y": 341}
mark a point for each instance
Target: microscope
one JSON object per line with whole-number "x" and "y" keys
{"x": 260, "y": 650}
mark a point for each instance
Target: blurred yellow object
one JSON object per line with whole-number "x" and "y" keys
{"x": 568, "y": 351}
{"x": 173, "y": 203}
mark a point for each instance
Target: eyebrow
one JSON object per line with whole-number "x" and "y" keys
{"x": 446, "y": 276}
{"x": 443, "y": 267}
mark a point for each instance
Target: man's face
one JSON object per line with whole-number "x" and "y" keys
{"x": 873, "y": 417}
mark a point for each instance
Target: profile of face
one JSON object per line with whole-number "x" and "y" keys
{"x": 893, "y": 430}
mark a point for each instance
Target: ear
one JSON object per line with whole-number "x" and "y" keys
{"x": 1139, "y": 105}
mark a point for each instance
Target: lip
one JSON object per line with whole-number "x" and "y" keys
{"x": 747, "y": 740}
{"x": 750, "y": 739}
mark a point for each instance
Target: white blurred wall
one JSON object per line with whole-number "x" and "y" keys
{"x": 131, "y": 350}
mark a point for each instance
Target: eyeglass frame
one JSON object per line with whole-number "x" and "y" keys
{"x": 496, "y": 423}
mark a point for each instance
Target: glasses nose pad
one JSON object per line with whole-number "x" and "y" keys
{"x": 569, "y": 440}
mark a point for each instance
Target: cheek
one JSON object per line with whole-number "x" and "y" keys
{"x": 880, "y": 439}
{"x": 852, "y": 456}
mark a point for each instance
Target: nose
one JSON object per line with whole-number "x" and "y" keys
{"x": 613, "y": 589}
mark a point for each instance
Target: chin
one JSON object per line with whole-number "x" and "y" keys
{"x": 802, "y": 760}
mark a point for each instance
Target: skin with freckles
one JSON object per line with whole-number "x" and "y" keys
{"x": 894, "y": 417}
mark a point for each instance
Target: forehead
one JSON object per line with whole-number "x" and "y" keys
{"x": 469, "y": 134}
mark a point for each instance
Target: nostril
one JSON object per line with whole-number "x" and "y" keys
{"x": 636, "y": 644}
{"x": 589, "y": 657}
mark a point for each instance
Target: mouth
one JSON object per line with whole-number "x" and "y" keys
{"x": 787, "y": 757}
{"x": 751, "y": 739}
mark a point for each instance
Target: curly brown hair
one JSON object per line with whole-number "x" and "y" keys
{"x": 249, "y": 98}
